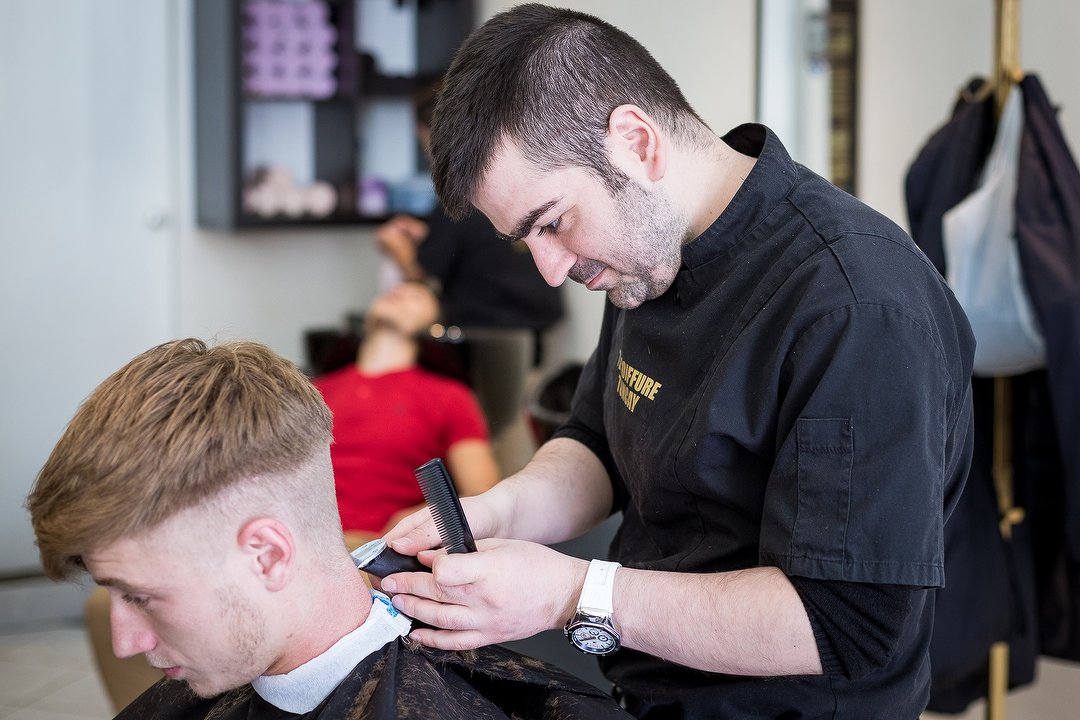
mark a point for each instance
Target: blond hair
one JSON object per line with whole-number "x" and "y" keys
{"x": 173, "y": 428}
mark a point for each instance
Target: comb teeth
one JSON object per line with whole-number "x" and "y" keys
{"x": 446, "y": 510}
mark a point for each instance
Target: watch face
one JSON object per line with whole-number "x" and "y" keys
{"x": 593, "y": 639}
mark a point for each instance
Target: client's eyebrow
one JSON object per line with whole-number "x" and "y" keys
{"x": 525, "y": 226}
{"x": 118, "y": 584}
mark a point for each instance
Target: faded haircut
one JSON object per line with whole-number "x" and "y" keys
{"x": 174, "y": 428}
{"x": 547, "y": 80}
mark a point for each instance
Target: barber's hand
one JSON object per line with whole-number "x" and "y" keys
{"x": 399, "y": 238}
{"x": 417, "y": 531}
{"x": 507, "y": 590}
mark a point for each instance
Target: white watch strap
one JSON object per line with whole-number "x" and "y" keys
{"x": 599, "y": 585}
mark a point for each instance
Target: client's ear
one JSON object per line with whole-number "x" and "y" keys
{"x": 269, "y": 545}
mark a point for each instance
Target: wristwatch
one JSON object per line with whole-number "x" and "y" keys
{"x": 591, "y": 630}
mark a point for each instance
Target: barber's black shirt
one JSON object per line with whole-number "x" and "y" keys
{"x": 799, "y": 398}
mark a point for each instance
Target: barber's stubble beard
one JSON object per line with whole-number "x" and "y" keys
{"x": 646, "y": 246}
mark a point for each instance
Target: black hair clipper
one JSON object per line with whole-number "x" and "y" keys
{"x": 378, "y": 559}
{"x": 445, "y": 507}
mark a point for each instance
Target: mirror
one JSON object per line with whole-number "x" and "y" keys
{"x": 807, "y": 79}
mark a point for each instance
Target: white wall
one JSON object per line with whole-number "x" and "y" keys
{"x": 794, "y": 90}
{"x": 916, "y": 55}
{"x": 86, "y": 246}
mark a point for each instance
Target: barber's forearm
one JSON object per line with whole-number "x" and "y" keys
{"x": 748, "y": 622}
{"x": 563, "y": 492}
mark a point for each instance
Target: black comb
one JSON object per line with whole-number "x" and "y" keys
{"x": 445, "y": 507}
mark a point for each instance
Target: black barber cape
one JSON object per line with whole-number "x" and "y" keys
{"x": 1026, "y": 591}
{"x": 397, "y": 682}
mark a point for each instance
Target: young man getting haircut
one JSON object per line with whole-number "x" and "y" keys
{"x": 195, "y": 484}
{"x": 373, "y": 459}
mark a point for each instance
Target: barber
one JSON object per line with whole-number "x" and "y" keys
{"x": 779, "y": 401}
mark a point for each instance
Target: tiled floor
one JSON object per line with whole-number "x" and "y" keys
{"x": 48, "y": 674}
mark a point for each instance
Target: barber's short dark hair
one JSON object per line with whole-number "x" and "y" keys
{"x": 547, "y": 79}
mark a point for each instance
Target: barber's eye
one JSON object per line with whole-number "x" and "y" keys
{"x": 551, "y": 227}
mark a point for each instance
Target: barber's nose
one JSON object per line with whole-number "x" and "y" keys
{"x": 552, "y": 260}
{"x": 131, "y": 633}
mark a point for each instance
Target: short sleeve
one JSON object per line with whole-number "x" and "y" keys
{"x": 856, "y": 493}
{"x": 464, "y": 418}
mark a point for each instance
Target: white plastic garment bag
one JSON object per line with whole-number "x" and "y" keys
{"x": 983, "y": 265}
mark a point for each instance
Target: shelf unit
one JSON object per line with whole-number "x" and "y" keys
{"x": 326, "y": 139}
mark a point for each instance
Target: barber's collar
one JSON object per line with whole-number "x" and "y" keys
{"x": 768, "y": 184}
{"x": 302, "y": 689}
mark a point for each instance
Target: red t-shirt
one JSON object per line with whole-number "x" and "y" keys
{"x": 386, "y": 426}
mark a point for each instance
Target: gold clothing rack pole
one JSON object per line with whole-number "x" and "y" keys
{"x": 1006, "y": 73}
{"x": 1009, "y": 515}
{"x": 1006, "y": 50}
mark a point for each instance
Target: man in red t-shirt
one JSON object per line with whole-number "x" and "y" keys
{"x": 391, "y": 416}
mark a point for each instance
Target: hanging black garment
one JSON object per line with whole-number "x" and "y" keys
{"x": 1048, "y": 238}
{"x": 1024, "y": 591}
{"x": 946, "y": 170}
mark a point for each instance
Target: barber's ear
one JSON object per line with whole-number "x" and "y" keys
{"x": 637, "y": 144}
{"x": 269, "y": 546}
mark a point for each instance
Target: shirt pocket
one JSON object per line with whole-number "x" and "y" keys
{"x": 824, "y": 457}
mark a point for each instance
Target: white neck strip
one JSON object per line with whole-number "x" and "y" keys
{"x": 302, "y": 689}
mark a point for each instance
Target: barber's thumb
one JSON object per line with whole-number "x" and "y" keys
{"x": 405, "y": 545}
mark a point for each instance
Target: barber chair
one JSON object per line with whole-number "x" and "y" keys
{"x": 492, "y": 361}
{"x": 329, "y": 349}
{"x": 549, "y": 404}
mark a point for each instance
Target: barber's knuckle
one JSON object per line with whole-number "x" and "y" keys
{"x": 497, "y": 596}
{"x": 444, "y": 577}
{"x": 445, "y": 618}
